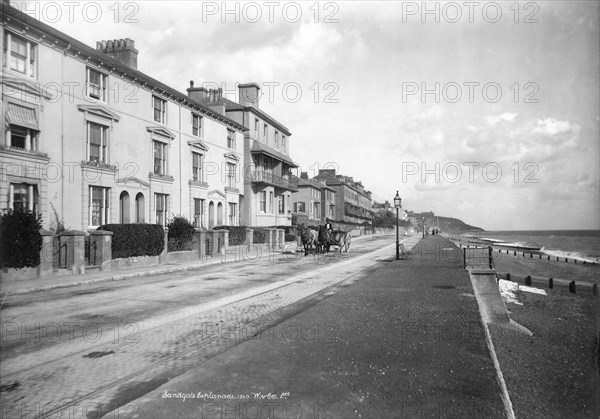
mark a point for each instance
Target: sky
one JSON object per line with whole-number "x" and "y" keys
{"x": 483, "y": 111}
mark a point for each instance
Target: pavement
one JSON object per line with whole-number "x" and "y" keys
{"x": 402, "y": 340}
{"x": 93, "y": 276}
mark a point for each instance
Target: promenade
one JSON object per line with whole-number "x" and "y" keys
{"x": 403, "y": 340}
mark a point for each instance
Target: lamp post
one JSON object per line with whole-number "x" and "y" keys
{"x": 397, "y": 204}
{"x": 423, "y": 226}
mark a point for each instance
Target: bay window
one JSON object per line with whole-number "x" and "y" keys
{"x": 23, "y": 196}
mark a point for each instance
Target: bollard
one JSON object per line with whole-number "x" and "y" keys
{"x": 528, "y": 280}
{"x": 572, "y": 287}
{"x": 551, "y": 283}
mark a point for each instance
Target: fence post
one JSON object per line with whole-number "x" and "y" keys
{"x": 46, "y": 254}
{"x": 464, "y": 258}
{"x": 75, "y": 248}
{"x": 103, "y": 241}
{"x": 490, "y": 258}
{"x": 162, "y": 258}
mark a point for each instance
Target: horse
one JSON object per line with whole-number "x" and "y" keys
{"x": 309, "y": 238}
{"x": 324, "y": 240}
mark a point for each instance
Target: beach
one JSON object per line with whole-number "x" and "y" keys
{"x": 554, "y": 373}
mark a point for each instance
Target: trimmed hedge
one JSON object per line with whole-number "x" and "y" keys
{"x": 181, "y": 234}
{"x": 260, "y": 236}
{"x": 237, "y": 234}
{"x": 130, "y": 240}
{"x": 20, "y": 239}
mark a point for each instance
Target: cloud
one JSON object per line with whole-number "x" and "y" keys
{"x": 506, "y": 116}
{"x": 552, "y": 127}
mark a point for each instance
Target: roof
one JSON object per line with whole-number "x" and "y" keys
{"x": 79, "y": 49}
{"x": 258, "y": 147}
{"x": 314, "y": 183}
{"x": 231, "y": 106}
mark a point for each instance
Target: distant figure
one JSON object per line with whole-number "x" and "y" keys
{"x": 328, "y": 225}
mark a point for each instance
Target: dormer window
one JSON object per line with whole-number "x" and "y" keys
{"x": 96, "y": 85}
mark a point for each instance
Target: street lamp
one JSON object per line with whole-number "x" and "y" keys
{"x": 423, "y": 226}
{"x": 397, "y": 204}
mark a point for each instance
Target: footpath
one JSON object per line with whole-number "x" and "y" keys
{"x": 93, "y": 276}
{"x": 401, "y": 341}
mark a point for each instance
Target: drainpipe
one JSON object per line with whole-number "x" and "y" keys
{"x": 62, "y": 136}
{"x": 180, "y": 173}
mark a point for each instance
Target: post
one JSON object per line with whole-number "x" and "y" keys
{"x": 46, "y": 254}
{"x": 75, "y": 242}
{"x": 103, "y": 241}
{"x": 423, "y": 227}
{"x": 397, "y": 236}
{"x": 490, "y": 258}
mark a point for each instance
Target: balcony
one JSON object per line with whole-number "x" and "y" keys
{"x": 261, "y": 177}
{"x": 19, "y": 150}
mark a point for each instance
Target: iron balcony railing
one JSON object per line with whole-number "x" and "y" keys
{"x": 260, "y": 176}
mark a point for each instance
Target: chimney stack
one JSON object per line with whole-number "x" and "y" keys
{"x": 249, "y": 94}
{"x": 122, "y": 50}
{"x": 304, "y": 175}
{"x": 199, "y": 94}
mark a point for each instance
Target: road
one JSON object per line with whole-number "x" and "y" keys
{"x": 86, "y": 350}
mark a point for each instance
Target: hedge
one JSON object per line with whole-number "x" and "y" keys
{"x": 181, "y": 234}
{"x": 20, "y": 239}
{"x": 260, "y": 236}
{"x": 237, "y": 234}
{"x": 130, "y": 240}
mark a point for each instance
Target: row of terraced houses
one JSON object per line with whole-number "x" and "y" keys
{"x": 89, "y": 139}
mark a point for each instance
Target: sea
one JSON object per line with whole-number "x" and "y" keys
{"x": 576, "y": 244}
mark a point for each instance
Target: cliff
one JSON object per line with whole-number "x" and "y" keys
{"x": 446, "y": 224}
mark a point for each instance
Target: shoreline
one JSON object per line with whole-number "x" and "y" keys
{"x": 519, "y": 265}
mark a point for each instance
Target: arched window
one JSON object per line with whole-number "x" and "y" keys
{"x": 140, "y": 208}
{"x": 124, "y": 207}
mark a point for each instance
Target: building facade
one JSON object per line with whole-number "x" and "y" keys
{"x": 352, "y": 201}
{"x": 314, "y": 201}
{"x": 267, "y": 173}
{"x": 90, "y": 140}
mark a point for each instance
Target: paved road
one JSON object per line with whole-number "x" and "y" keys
{"x": 86, "y": 350}
{"x": 400, "y": 340}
